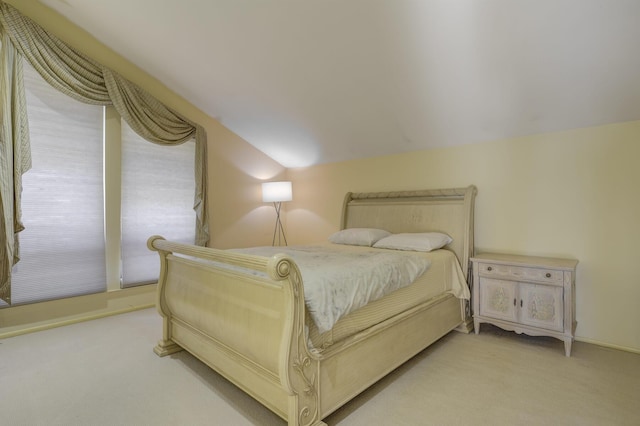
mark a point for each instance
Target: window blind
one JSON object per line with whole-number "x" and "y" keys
{"x": 157, "y": 199}
{"x": 62, "y": 246}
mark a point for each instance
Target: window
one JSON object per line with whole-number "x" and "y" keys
{"x": 63, "y": 245}
{"x": 157, "y": 199}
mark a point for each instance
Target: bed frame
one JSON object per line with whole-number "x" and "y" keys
{"x": 251, "y": 329}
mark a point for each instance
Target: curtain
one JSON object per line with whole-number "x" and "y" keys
{"x": 62, "y": 248}
{"x": 15, "y": 159}
{"x": 156, "y": 199}
{"x": 163, "y": 127}
{"x": 85, "y": 80}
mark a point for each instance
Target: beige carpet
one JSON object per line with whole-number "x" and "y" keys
{"x": 104, "y": 372}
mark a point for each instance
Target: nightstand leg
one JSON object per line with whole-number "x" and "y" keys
{"x": 476, "y": 326}
{"x": 567, "y": 347}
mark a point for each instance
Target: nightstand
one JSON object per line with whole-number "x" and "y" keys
{"x": 525, "y": 294}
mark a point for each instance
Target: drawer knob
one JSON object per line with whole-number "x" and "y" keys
{"x": 489, "y": 268}
{"x": 548, "y": 275}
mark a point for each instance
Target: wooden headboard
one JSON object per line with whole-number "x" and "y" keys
{"x": 432, "y": 210}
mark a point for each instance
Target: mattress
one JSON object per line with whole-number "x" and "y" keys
{"x": 338, "y": 279}
{"x": 443, "y": 276}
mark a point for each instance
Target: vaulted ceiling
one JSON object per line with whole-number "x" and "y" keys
{"x": 316, "y": 81}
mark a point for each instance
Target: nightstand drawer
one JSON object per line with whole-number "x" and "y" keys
{"x": 521, "y": 273}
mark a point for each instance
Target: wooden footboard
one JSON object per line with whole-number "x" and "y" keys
{"x": 247, "y": 324}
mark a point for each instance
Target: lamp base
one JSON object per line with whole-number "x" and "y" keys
{"x": 278, "y": 230}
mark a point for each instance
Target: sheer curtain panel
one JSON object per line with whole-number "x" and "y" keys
{"x": 62, "y": 246}
{"x": 157, "y": 199}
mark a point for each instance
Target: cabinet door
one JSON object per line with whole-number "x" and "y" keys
{"x": 542, "y": 306}
{"x": 497, "y": 299}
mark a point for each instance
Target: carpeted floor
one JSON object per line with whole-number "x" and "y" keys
{"x": 104, "y": 372}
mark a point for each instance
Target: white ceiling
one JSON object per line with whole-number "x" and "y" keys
{"x": 316, "y": 81}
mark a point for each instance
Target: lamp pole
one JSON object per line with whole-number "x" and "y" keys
{"x": 279, "y": 230}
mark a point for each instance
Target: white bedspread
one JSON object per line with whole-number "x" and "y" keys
{"x": 337, "y": 282}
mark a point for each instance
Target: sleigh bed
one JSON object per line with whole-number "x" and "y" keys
{"x": 245, "y": 315}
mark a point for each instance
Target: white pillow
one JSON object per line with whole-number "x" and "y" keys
{"x": 358, "y": 236}
{"x": 425, "y": 241}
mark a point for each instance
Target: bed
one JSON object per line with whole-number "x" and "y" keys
{"x": 245, "y": 316}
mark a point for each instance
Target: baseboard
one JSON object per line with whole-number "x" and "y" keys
{"x": 34, "y": 317}
{"x": 607, "y": 345}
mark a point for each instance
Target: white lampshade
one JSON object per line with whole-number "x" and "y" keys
{"x": 274, "y": 192}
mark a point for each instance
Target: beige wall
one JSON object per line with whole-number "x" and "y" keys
{"x": 572, "y": 194}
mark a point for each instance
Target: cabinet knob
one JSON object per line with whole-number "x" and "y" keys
{"x": 548, "y": 275}
{"x": 489, "y": 268}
